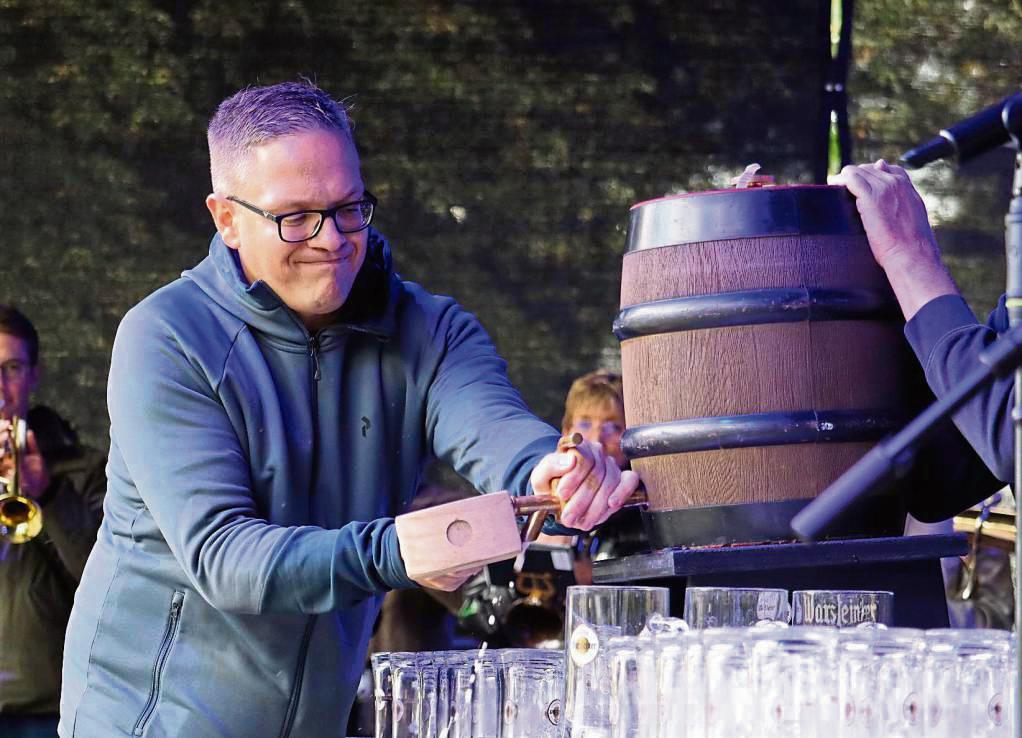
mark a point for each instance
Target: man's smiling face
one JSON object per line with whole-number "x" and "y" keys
{"x": 314, "y": 170}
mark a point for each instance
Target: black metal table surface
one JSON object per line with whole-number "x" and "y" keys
{"x": 909, "y": 566}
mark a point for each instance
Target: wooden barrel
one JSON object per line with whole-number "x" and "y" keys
{"x": 762, "y": 354}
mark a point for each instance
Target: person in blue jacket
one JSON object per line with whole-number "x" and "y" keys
{"x": 941, "y": 328}
{"x": 269, "y": 412}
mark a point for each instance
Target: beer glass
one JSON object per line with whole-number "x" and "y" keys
{"x": 633, "y": 687}
{"x": 532, "y": 683}
{"x": 794, "y": 682}
{"x": 968, "y": 683}
{"x": 479, "y": 691}
{"x": 380, "y": 663}
{"x": 730, "y": 607}
{"x": 880, "y": 682}
{"x": 728, "y": 693}
{"x": 454, "y": 714}
{"x": 404, "y": 677}
{"x": 841, "y": 608}
{"x": 681, "y": 685}
{"x": 595, "y": 614}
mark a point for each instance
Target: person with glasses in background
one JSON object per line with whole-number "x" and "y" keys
{"x": 595, "y": 407}
{"x": 270, "y": 411}
{"x": 39, "y": 575}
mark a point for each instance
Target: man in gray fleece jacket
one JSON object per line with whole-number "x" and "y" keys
{"x": 270, "y": 411}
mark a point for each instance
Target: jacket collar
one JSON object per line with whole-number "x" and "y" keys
{"x": 370, "y": 308}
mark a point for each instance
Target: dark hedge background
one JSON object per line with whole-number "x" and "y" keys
{"x": 505, "y": 139}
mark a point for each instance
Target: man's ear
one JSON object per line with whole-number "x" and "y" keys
{"x": 223, "y": 219}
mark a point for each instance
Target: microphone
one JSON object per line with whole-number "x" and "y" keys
{"x": 966, "y": 138}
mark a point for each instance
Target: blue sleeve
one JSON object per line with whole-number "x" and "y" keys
{"x": 174, "y": 446}
{"x": 947, "y": 339}
{"x": 475, "y": 419}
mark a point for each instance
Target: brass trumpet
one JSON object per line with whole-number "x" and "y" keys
{"x": 21, "y": 518}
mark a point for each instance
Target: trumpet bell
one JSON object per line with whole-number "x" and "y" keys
{"x": 21, "y": 519}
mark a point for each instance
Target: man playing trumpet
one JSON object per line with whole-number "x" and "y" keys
{"x": 64, "y": 482}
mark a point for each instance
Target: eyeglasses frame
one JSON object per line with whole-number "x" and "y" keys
{"x": 323, "y": 215}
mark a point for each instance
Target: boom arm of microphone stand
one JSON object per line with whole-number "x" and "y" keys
{"x": 967, "y": 138}
{"x": 892, "y": 457}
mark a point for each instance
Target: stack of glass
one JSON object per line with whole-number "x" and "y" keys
{"x": 807, "y": 682}
{"x": 631, "y": 671}
{"x": 503, "y": 693}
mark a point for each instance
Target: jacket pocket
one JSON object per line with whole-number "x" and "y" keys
{"x": 169, "y": 634}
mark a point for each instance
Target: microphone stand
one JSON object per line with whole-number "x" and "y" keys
{"x": 892, "y": 457}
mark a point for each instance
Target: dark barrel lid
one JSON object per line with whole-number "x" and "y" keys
{"x": 720, "y": 215}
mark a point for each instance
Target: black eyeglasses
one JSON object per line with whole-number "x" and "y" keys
{"x": 301, "y": 225}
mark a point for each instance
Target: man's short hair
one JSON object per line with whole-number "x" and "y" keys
{"x": 594, "y": 388}
{"x": 14, "y": 323}
{"x": 256, "y": 115}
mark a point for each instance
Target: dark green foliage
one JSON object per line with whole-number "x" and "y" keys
{"x": 922, "y": 65}
{"x": 506, "y": 140}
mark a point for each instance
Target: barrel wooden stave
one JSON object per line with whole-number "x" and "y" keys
{"x": 763, "y": 368}
{"x": 711, "y": 267}
{"x": 744, "y": 475}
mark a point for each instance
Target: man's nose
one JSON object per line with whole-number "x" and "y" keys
{"x": 329, "y": 236}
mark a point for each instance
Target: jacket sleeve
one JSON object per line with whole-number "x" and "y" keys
{"x": 475, "y": 419}
{"x": 182, "y": 455}
{"x": 947, "y": 340}
{"x": 74, "y": 508}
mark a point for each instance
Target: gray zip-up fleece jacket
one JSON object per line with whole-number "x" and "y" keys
{"x": 247, "y": 537}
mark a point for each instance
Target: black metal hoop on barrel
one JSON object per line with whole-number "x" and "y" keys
{"x": 753, "y": 307}
{"x": 766, "y": 521}
{"x": 759, "y": 429}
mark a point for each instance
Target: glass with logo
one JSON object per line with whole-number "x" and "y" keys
{"x": 841, "y": 608}
{"x": 734, "y": 607}
{"x": 532, "y": 682}
{"x": 594, "y": 615}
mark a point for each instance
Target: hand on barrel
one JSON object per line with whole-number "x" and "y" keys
{"x": 892, "y": 211}
{"x": 587, "y": 480}
{"x": 899, "y": 232}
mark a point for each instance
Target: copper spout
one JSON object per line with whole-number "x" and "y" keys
{"x": 537, "y": 507}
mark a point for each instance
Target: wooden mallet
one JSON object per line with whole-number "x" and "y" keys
{"x": 470, "y": 533}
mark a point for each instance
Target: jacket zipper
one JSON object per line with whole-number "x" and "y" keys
{"x": 314, "y": 355}
{"x": 314, "y": 409}
{"x": 292, "y": 705}
{"x": 161, "y": 661}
